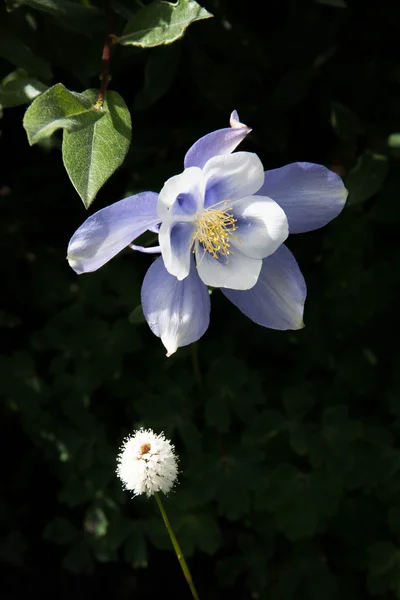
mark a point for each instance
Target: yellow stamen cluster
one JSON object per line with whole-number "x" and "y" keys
{"x": 214, "y": 228}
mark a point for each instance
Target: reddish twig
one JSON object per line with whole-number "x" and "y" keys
{"x": 106, "y": 58}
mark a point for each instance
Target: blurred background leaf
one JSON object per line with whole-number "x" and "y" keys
{"x": 19, "y": 88}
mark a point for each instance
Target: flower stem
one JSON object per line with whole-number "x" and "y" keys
{"x": 177, "y": 548}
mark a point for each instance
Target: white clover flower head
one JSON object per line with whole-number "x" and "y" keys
{"x": 147, "y": 463}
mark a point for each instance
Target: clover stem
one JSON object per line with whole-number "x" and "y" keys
{"x": 177, "y": 548}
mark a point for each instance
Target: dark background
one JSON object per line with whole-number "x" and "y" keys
{"x": 288, "y": 441}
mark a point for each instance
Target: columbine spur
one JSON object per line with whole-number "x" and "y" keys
{"x": 220, "y": 223}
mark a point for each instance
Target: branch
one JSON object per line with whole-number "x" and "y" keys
{"x": 106, "y": 58}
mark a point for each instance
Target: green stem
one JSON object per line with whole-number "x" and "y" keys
{"x": 177, "y": 548}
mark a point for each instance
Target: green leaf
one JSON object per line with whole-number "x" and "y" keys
{"x": 75, "y": 492}
{"x": 298, "y": 400}
{"x": 79, "y": 558}
{"x": 198, "y": 531}
{"x": 299, "y": 500}
{"x": 338, "y": 427}
{"x": 60, "y": 531}
{"x": 367, "y": 177}
{"x": 162, "y": 23}
{"x": 345, "y": 122}
{"x": 19, "y": 54}
{"x": 217, "y": 413}
{"x": 119, "y": 529}
{"x": 19, "y": 88}
{"x": 394, "y": 519}
{"x": 71, "y": 14}
{"x": 382, "y": 556}
{"x": 135, "y": 550}
{"x": 266, "y": 426}
{"x": 91, "y": 155}
{"x": 334, "y": 3}
{"x": 160, "y": 72}
{"x": 96, "y": 522}
{"x": 298, "y": 439}
{"x": 137, "y": 316}
{"x": 394, "y": 141}
{"x": 58, "y": 108}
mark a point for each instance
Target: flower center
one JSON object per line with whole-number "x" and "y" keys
{"x": 144, "y": 449}
{"x": 214, "y": 228}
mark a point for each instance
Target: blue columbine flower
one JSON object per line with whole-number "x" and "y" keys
{"x": 220, "y": 223}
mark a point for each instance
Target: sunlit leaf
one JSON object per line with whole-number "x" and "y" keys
{"x": 58, "y": 108}
{"x": 19, "y": 88}
{"x": 162, "y": 23}
{"x": 92, "y": 154}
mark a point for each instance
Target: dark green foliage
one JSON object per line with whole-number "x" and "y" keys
{"x": 288, "y": 441}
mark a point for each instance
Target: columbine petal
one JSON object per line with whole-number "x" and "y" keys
{"x": 234, "y": 121}
{"x": 177, "y": 311}
{"x": 237, "y": 271}
{"x": 311, "y": 195}
{"x": 222, "y": 141}
{"x": 232, "y": 176}
{"x": 277, "y": 300}
{"x": 182, "y": 196}
{"x": 111, "y": 229}
{"x": 175, "y": 241}
{"x": 261, "y": 226}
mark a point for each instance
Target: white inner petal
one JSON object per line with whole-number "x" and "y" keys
{"x": 236, "y": 271}
{"x": 261, "y": 224}
{"x": 182, "y": 196}
{"x": 175, "y": 242}
{"x": 232, "y": 177}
